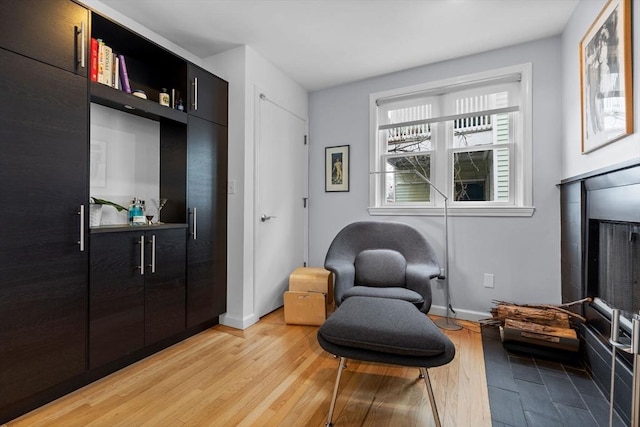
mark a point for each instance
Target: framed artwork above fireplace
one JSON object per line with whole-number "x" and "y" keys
{"x": 606, "y": 77}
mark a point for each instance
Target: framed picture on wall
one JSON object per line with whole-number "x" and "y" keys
{"x": 606, "y": 78}
{"x": 336, "y": 168}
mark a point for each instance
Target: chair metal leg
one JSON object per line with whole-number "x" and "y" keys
{"x": 425, "y": 374}
{"x": 342, "y": 365}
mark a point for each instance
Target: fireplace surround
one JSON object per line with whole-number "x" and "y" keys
{"x": 600, "y": 217}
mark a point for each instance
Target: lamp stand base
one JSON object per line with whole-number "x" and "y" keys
{"x": 447, "y": 323}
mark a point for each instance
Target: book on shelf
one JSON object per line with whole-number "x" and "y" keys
{"x": 93, "y": 60}
{"x": 116, "y": 72}
{"x": 101, "y": 60}
{"x": 124, "y": 75}
{"x": 108, "y": 65}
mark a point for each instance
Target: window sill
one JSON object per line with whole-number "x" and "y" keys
{"x": 489, "y": 211}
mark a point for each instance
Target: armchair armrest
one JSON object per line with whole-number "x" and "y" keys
{"x": 419, "y": 279}
{"x": 344, "y": 274}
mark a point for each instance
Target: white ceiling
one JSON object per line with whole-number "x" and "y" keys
{"x": 324, "y": 43}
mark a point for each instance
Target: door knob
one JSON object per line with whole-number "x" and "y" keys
{"x": 264, "y": 217}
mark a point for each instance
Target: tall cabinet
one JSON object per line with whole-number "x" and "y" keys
{"x": 78, "y": 302}
{"x": 43, "y": 195}
{"x": 206, "y": 180}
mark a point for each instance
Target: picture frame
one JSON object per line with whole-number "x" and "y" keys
{"x": 606, "y": 91}
{"x": 336, "y": 171}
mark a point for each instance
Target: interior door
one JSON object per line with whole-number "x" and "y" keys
{"x": 281, "y": 189}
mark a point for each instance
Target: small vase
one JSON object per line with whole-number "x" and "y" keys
{"x": 95, "y": 214}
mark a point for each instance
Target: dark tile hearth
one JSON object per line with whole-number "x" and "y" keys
{"x": 540, "y": 390}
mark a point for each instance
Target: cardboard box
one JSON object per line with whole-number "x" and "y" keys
{"x": 312, "y": 279}
{"x": 305, "y": 308}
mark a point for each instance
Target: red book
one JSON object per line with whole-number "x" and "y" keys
{"x": 124, "y": 75}
{"x": 93, "y": 60}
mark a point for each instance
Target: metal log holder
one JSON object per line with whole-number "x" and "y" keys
{"x": 632, "y": 348}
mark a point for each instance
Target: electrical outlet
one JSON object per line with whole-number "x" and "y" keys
{"x": 488, "y": 280}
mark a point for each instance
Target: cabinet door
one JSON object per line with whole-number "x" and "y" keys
{"x": 49, "y": 31}
{"x": 116, "y": 296}
{"x": 43, "y": 182}
{"x": 207, "y": 203}
{"x": 164, "y": 293}
{"x": 208, "y": 96}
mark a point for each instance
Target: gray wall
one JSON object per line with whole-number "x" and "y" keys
{"x": 522, "y": 253}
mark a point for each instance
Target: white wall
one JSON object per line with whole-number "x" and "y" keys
{"x": 129, "y": 23}
{"x": 522, "y": 253}
{"x": 573, "y": 161}
{"x": 248, "y": 74}
{"x": 127, "y": 163}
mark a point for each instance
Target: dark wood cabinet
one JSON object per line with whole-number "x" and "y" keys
{"x": 207, "y": 204}
{"x": 53, "y": 31}
{"x": 43, "y": 184}
{"x": 208, "y": 96}
{"x": 164, "y": 293}
{"x": 77, "y": 303}
{"x": 116, "y": 296}
{"x": 137, "y": 290}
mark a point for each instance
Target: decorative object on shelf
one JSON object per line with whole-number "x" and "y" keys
{"x": 159, "y": 204}
{"x": 95, "y": 214}
{"x": 97, "y": 201}
{"x": 336, "y": 172}
{"x": 606, "y": 77}
{"x": 180, "y": 107}
{"x": 95, "y": 210}
{"x": 140, "y": 94}
{"x": 136, "y": 212}
{"x": 163, "y": 98}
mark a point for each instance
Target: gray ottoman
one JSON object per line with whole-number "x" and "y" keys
{"x": 385, "y": 331}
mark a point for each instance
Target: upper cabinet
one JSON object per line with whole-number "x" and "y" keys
{"x": 54, "y": 32}
{"x": 208, "y": 96}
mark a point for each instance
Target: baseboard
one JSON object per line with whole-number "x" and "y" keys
{"x": 473, "y": 316}
{"x": 238, "y": 323}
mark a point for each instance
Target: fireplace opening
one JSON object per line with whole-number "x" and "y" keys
{"x": 614, "y": 267}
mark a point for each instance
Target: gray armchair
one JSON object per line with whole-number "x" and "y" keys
{"x": 382, "y": 259}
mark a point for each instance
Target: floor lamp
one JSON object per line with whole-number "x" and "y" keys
{"x": 447, "y": 322}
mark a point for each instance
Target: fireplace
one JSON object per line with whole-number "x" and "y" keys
{"x": 601, "y": 259}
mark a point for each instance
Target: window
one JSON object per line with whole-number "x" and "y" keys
{"x": 466, "y": 138}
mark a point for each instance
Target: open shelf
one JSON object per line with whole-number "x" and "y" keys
{"x": 119, "y": 100}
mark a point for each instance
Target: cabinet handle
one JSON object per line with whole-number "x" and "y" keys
{"x": 81, "y": 241}
{"x": 195, "y": 224}
{"x": 153, "y": 253}
{"x": 83, "y": 41}
{"x": 141, "y": 266}
{"x": 195, "y": 94}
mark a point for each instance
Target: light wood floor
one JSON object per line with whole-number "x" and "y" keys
{"x": 273, "y": 374}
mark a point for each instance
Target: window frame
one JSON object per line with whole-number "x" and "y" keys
{"x": 520, "y": 174}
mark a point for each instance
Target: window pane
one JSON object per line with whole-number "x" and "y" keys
{"x": 481, "y": 130}
{"x": 481, "y": 175}
{"x": 412, "y": 138}
{"x": 402, "y": 184}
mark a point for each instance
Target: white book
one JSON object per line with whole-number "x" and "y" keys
{"x": 116, "y": 72}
